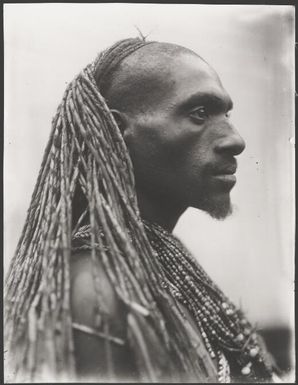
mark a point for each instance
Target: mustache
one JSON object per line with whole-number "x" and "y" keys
{"x": 224, "y": 167}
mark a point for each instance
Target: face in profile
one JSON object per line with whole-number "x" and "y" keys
{"x": 181, "y": 142}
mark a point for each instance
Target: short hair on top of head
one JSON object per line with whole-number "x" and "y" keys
{"x": 137, "y": 75}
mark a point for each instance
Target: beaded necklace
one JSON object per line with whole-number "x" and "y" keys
{"x": 223, "y": 327}
{"x": 229, "y": 338}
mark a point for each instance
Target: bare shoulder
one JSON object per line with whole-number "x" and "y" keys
{"x": 91, "y": 354}
{"x": 86, "y": 297}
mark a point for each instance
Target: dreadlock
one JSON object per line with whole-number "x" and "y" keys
{"x": 85, "y": 153}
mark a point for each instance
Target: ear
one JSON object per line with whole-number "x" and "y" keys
{"x": 122, "y": 120}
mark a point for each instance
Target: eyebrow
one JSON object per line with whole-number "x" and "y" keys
{"x": 214, "y": 102}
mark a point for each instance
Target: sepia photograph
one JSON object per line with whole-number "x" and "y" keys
{"x": 149, "y": 212}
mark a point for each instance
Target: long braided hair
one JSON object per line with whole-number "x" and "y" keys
{"x": 86, "y": 157}
{"x": 85, "y": 153}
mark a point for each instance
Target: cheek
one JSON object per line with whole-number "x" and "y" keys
{"x": 169, "y": 153}
{"x": 200, "y": 146}
{"x": 156, "y": 155}
{"x": 198, "y": 154}
{"x": 150, "y": 160}
{"x": 144, "y": 147}
{"x": 149, "y": 140}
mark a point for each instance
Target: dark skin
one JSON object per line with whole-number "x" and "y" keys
{"x": 183, "y": 147}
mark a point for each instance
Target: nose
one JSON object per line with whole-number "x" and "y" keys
{"x": 232, "y": 143}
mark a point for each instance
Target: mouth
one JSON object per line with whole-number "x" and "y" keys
{"x": 226, "y": 176}
{"x": 227, "y": 170}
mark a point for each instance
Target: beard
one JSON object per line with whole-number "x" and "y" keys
{"x": 217, "y": 206}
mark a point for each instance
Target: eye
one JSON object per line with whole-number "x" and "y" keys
{"x": 228, "y": 114}
{"x": 199, "y": 115}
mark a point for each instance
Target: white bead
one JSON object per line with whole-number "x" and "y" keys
{"x": 245, "y": 370}
{"x": 253, "y": 352}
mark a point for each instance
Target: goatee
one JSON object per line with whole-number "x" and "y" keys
{"x": 217, "y": 207}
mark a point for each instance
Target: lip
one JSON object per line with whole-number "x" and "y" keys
{"x": 226, "y": 178}
{"x": 225, "y": 174}
{"x": 230, "y": 170}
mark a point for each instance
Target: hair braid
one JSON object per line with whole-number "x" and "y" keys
{"x": 85, "y": 150}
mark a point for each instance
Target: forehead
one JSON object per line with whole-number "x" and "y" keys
{"x": 189, "y": 77}
{"x": 159, "y": 77}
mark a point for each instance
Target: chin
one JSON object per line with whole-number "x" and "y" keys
{"x": 218, "y": 206}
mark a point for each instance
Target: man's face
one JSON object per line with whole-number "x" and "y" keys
{"x": 183, "y": 146}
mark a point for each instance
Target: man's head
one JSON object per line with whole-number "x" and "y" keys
{"x": 174, "y": 115}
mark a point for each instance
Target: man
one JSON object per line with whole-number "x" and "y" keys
{"x": 99, "y": 288}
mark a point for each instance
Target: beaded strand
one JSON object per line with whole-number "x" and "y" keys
{"x": 223, "y": 327}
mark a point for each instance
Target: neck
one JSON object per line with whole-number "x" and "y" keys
{"x": 162, "y": 212}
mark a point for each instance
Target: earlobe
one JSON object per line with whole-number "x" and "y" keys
{"x": 121, "y": 120}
